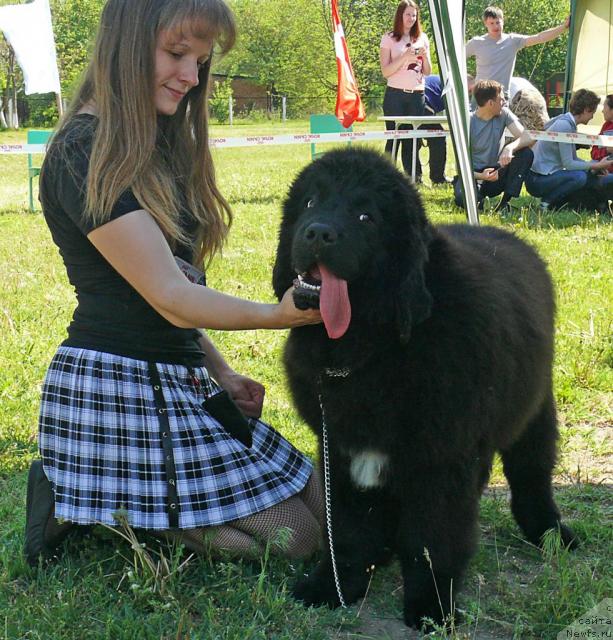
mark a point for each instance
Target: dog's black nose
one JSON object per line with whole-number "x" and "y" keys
{"x": 318, "y": 233}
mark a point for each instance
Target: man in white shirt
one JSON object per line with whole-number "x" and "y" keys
{"x": 496, "y": 51}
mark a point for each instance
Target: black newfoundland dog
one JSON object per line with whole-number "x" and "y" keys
{"x": 435, "y": 352}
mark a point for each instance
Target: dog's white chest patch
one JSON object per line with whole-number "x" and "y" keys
{"x": 367, "y": 468}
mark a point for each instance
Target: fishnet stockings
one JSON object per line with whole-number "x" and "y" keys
{"x": 292, "y": 527}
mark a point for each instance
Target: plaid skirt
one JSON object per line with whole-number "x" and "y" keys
{"x": 118, "y": 434}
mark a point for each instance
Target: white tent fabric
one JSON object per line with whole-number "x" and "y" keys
{"x": 448, "y": 28}
{"x": 28, "y": 29}
{"x": 590, "y": 59}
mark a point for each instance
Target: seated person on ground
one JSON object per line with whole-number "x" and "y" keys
{"x": 600, "y": 153}
{"x": 558, "y": 176}
{"x": 498, "y": 168}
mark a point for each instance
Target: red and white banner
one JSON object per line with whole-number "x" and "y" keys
{"x": 349, "y": 107}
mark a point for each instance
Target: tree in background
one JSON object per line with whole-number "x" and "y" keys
{"x": 74, "y": 24}
{"x": 74, "y": 28}
{"x": 287, "y": 46}
{"x": 284, "y": 46}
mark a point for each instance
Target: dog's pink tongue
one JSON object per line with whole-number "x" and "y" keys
{"x": 334, "y": 303}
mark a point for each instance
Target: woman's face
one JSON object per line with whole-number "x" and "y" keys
{"x": 178, "y": 58}
{"x": 408, "y": 18}
{"x": 607, "y": 112}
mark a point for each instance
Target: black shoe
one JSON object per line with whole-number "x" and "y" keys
{"x": 443, "y": 180}
{"x": 43, "y": 532}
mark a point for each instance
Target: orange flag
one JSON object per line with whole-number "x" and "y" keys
{"x": 349, "y": 105}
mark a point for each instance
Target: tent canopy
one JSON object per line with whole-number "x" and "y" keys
{"x": 589, "y": 64}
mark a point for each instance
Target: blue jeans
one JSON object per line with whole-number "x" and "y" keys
{"x": 510, "y": 179}
{"x": 556, "y": 187}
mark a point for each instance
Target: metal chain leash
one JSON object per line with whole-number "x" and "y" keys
{"x": 328, "y": 501}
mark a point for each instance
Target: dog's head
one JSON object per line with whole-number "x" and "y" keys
{"x": 354, "y": 240}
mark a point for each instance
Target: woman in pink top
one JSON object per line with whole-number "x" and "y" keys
{"x": 405, "y": 60}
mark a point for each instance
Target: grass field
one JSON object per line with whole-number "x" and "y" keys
{"x": 103, "y": 588}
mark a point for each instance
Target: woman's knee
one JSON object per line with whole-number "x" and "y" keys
{"x": 301, "y": 542}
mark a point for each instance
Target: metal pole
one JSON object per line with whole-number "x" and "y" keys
{"x": 60, "y": 105}
{"x": 230, "y": 110}
{"x": 284, "y": 107}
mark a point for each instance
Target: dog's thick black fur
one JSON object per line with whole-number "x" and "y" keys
{"x": 447, "y": 358}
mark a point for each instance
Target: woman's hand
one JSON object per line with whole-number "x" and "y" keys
{"x": 410, "y": 55}
{"x": 247, "y": 393}
{"x": 289, "y": 316}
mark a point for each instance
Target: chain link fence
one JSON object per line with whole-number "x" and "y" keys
{"x": 41, "y": 110}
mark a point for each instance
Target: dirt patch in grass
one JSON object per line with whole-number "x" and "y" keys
{"x": 374, "y": 626}
{"x": 580, "y": 464}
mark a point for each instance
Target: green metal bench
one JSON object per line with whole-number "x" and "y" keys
{"x": 35, "y": 136}
{"x": 325, "y": 123}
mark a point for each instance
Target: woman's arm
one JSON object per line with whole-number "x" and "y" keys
{"x": 136, "y": 248}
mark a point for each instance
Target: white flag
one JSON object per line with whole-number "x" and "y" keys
{"x": 28, "y": 29}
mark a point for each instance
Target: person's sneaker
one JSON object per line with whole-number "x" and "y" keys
{"x": 544, "y": 206}
{"x": 43, "y": 532}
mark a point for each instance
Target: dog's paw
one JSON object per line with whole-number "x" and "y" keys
{"x": 312, "y": 591}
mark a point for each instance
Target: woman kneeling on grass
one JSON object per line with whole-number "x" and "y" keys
{"x": 131, "y": 420}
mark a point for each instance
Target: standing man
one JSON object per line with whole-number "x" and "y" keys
{"x": 496, "y": 51}
{"x": 498, "y": 168}
{"x": 433, "y": 105}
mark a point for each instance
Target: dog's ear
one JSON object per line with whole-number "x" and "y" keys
{"x": 413, "y": 303}
{"x": 282, "y": 274}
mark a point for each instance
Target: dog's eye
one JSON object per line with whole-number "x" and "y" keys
{"x": 310, "y": 203}
{"x": 364, "y": 217}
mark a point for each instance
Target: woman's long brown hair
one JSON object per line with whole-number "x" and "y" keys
{"x": 165, "y": 160}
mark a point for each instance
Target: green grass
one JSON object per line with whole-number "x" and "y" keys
{"x": 99, "y": 588}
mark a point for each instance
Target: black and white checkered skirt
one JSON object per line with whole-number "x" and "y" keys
{"x": 124, "y": 434}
